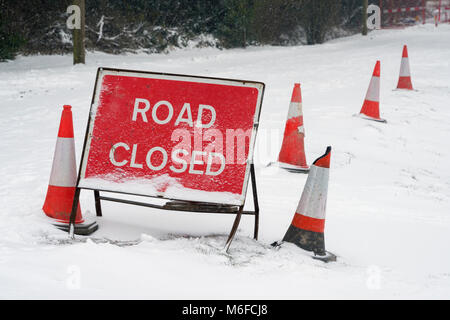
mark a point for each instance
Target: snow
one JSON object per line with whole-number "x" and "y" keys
{"x": 388, "y": 208}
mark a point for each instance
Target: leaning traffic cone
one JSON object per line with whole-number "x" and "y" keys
{"x": 404, "y": 80}
{"x": 63, "y": 178}
{"x": 371, "y": 106}
{"x": 292, "y": 154}
{"x": 307, "y": 227}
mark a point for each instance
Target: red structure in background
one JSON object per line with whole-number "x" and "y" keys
{"x": 402, "y": 13}
{"x": 439, "y": 10}
{"x": 445, "y": 17}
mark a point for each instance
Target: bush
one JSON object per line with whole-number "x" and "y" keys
{"x": 10, "y": 41}
{"x": 9, "y": 44}
{"x": 276, "y": 21}
{"x": 116, "y": 26}
{"x": 234, "y": 22}
{"x": 318, "y": 17}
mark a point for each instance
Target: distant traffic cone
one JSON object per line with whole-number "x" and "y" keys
{"x": 292, "y": 154}
{"x": 404, "y": 80}
{"x": 63, "y": 177}
{"x": 308, "y": 224}
{"x": 371, "y": 106}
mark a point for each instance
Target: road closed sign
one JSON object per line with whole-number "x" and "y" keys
{"x": 171, "y": 136}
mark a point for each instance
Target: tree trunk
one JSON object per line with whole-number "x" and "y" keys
{"x": 364, "y": 17}
{"x": 78, "y": 35}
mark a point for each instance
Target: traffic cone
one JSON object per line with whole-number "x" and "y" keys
{"x": 371, "y": 106}
{"x": 63, "y": 178}
{"x": 292, "y": 154}
{"x": 307, "y": 227}
{"x": 404, "y": 80}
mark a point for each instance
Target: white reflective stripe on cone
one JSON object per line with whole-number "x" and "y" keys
{"x": 373, "y": 93}
{"x": 295, "y": 110}
{"x": 404, "y": 68}
{"x": 64, "y": 171}
{"x": 314, "y": 197}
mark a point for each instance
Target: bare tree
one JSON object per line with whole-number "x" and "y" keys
{"x": 364, "y": 18}
{"x": 78, "y": 35}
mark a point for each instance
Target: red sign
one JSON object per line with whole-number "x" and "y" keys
{"x": 171, "y": 136}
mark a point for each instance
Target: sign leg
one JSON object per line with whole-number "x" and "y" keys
{"x": 255, "y": 232}
{"x": 98, "y": 205}
{"x": 234, "y": 228}
{"x": 73, "y": 214}
{"x": 255, "y": 201}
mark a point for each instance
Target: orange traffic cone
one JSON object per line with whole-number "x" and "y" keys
{"x": 292, "y": 154}
{"x": 371, "y": 106}
{"x": 63, "y": 178}
{"x": 404, "y": 80}
{"x": 307, "y": 227}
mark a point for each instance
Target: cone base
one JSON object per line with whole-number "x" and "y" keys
{"x": 82, "y": 229}
{"x": 326, "y": 257}
{"x": 366, "y": 117}
{"x": 293, "y": 168}
{"x": 401, "y": 89}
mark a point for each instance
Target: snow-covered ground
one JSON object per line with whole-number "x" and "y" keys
{"x": 388, "y": 213}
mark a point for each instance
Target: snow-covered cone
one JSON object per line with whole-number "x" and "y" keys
{"x": 404, "y": 80}
{"x": 292, "y": 153}
{"x": 371, "y": 106}
{"x": 63, "y": 178}
{"x": 61, "y": 188}
{"x": 308, "y": 225}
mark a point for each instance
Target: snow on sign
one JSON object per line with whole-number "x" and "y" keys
{"x": 171, "y": 136}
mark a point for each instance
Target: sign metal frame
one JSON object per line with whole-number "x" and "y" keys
{"x": 175, "y": 204}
